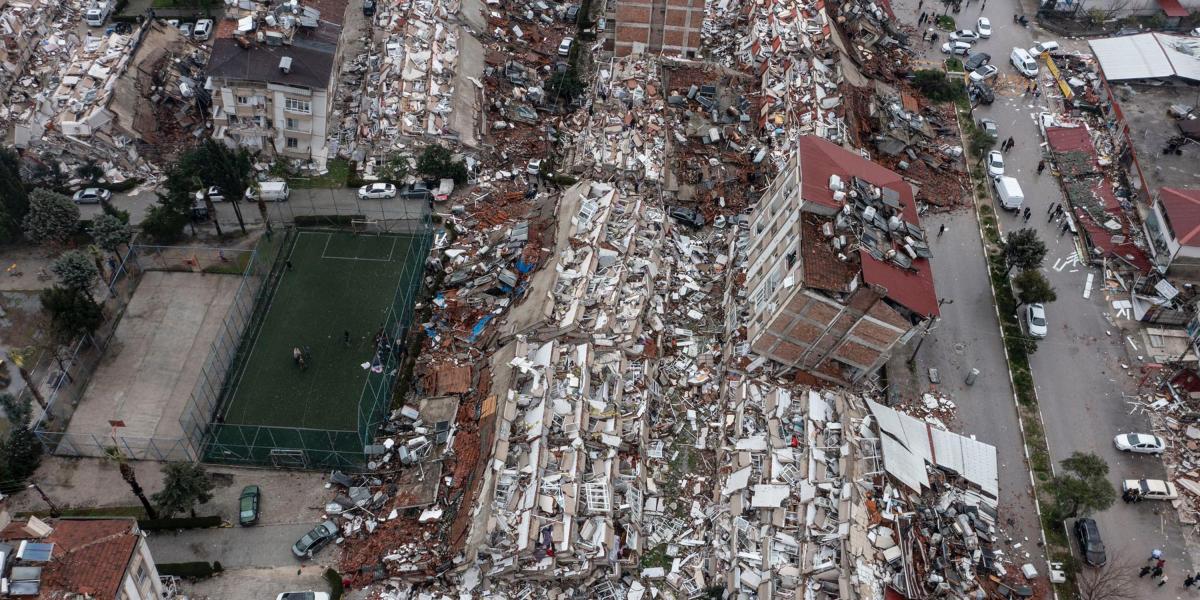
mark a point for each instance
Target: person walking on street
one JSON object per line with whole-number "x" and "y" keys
{"x": 920, "y": 4}
{"x": 1041, "y": 166}
{"x": 941, "y": 230}
{"x": 1189, "y": 581}
{"x": 1155, "y": 554}
{"x": 1156, "y": 572}
{"x": 1145, "y": 571}
{"x": 1050, "y": 209}
{"x": 1163, "y": 581}
{"x": 1027, "y": 213}
{"x": 1162, "y": 562}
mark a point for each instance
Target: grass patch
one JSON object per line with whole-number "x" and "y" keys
{"x": 656, "y": 557}
{"x": 339, "y": 171}
{"x": 945, "y": 23}
{"x": 954, "y": 65}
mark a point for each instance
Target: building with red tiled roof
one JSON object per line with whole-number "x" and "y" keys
{"x": 1173, "y": 226}
{"x": 838, "y": 264}
{"x": 101, "y": 559}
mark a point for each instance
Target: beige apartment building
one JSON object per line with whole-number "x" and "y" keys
{"x": 273, "y": 76}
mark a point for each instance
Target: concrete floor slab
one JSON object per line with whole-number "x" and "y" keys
{"x": 147, "y": 375}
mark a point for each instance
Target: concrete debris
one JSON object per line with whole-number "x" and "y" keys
{"x": 121, "y": 99}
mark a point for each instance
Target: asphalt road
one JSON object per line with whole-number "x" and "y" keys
{"x": 341, "y": 201}
{"x": 235, "y": 547}
{"x": 1078, "y": 369}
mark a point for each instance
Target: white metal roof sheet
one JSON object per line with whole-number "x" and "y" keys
{"x": 906, "y": 467}
{"x": 1148, "y": 56}
{"x": 908, "y": 443}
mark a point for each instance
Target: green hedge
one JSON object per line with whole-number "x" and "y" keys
{"x": 190, "y": 570}
{"x": 181, "y": 523}
{"x": 335, "y": 584}
{"x": 310, "y": 220}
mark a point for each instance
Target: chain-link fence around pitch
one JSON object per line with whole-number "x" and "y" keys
{"x": 256, "y": 404}
{"x": 78, "y": 362}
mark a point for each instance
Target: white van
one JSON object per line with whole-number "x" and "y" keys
{"x": 1024, "y": 63}
{"x": 272, "y": 191}
{"x": 1008, "y": 190}
{"x": 96, "y": 13}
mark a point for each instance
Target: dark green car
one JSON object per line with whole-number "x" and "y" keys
{"x": 248, "y": 505}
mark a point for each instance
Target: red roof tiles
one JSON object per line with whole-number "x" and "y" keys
{"x": 1182, "y": 207}
{"x": 90, "y": 556}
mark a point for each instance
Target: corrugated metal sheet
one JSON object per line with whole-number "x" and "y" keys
{"x": 1148, "y": 56}
{"x": 908, "y": 443}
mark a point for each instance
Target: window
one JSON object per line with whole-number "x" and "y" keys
{"x": 142, "y": 575}
{"x": 293, "y": 143}
{"x": 293, "y": 123}
{"x": 300, "y": 106}
{"x": 243, "y": 100}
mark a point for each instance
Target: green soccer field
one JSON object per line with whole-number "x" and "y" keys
{"x": 335, "y": 283}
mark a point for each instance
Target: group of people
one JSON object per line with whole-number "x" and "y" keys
{"x": 302, "y": 357}
{"x": 1154, "y": 568}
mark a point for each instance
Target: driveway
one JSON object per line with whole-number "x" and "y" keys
{"x": 261, "y": 546}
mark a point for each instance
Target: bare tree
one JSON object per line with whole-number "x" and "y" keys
{"x": 1114, "y": 581}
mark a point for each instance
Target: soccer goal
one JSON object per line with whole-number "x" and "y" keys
{"x": 365, "y": 226}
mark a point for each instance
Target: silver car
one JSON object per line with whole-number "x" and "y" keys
{"x": 92, "y": 196}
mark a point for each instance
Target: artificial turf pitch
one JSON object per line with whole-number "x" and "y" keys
{"x": 336, "y": 282}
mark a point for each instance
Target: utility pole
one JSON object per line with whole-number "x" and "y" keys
{"x": 54, "y": 510}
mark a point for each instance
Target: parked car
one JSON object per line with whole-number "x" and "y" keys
{"x": 1090, "y": 543}
{"x": 571, "y": 14}
{"x": 186, "y": 29}
{"x": 215, "y": 194}
{"x": 959, "y": 48}
{"x": 976, "y": 60}
{"x": 687, "y": 216}
{"x": 314, "y": 540}
{"x": 1023, "y": 62}
{"x": 534, "y": 167}
{"x": 1149, "y": 489}
{"x": 995, "y": 163}
{"x": 203, "y": 30}
{"x": 270, "y": 191}
{"x": 368, "y": 8}
{"x": 303, "y": 596}
{"x": 248, "y": 505}
{"x": 377, "y": 191}
{"x": 91, "y": 196}
{"x": 1035, "y": 316}
{"x": 984, "y": 27}
{"x": 981, "y": 92}
{"x": 984, "y": 73}
{"x": 964, "y": 35}
{"x": 989, "y": 127}
{"x": 1140, "y": 443}
{"x": 564, "y": 47}
{"x": 1043, "y": 47}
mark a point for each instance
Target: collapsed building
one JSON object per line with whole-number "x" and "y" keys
{"x": 838, "y": 265}
{"x": 118, "y": 97}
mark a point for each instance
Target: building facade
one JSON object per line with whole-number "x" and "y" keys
{"x": 273, "y": 79}
{"x": 838, "y": 269}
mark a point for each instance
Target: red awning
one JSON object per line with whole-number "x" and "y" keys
{"x": 1172, "y": 8}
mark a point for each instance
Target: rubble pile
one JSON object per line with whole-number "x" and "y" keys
{"x": 22, "y": 27}
{"x": 112, "y": 98}
{"x": 1173, "y": 416}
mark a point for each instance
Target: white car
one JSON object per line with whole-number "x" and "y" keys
{"x": 984, "y": 27}
{"x": 1035, "y": 315}
{"x": 564, "y": 47}
{"x": 1151, "y": 489}
{"x": 303, "y": 596}
{"x": 203, "y": 30}
{"x": 983, "y": 73}
{"x": 1023, "y": 62}
{"x": 995, "y": 163}
{"x": 376, "y": 191}
{"x": 1043, "y": 47}
{"x": 964, "y": 35}
{"x": 1140, "y": 443}
{"x": 91, "y": 196}
{"x": 959, "y": 48}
